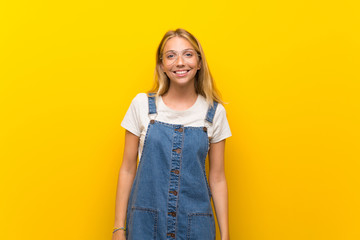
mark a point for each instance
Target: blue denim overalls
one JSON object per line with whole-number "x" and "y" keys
{"x": 170, "y": 197}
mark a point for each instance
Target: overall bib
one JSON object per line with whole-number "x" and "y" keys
{"x": 170, "y": 197}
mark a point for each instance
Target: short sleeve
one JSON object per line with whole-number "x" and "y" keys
{"x": 221, "y": 128}
{"x": 131, "y": 120}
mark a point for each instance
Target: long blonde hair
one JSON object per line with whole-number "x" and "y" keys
{"x": 204, "y": 83}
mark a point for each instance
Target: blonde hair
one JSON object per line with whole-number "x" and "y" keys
{"x": 204, "y": 83}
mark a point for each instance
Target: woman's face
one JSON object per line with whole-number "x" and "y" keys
{"x": 180, "y": 61}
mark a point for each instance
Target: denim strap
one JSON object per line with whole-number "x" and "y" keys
{"x": 211, "y": 112}
{"x": 152, "y": 105}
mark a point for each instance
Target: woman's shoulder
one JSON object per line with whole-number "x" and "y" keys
{"x": 138, "y": 108}
{"x": 140, "y": 98}
{"x": 219, "y": 108}
{"x": 139, "y": 103}
{"x": 220, "y": 112}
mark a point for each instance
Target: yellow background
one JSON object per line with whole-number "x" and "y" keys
{"x": 288, "y": 69}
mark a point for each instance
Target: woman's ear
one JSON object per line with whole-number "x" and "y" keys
{"x": 199, "y": 65}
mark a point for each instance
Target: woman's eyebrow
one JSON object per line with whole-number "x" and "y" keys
{"x": 182, "y": 50}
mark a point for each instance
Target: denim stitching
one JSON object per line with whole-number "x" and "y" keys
{"x": 189, "y": 216}
{"x": 188, "y": 227}
{"x": 200, "y": 214}
{"x": 205, "y": 176}
{"x": 154, "y": 213}
{"x": 167, "y": 199}
{"x": 145, "y": 139}
{"x": 155, "y": 226}
{"x": 180, "y": 160}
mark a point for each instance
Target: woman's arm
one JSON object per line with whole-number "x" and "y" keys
{"x": 218, "y": 186}
{"x": 126, "y": 177}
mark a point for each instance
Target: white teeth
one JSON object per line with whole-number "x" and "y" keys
{"x": 181, "y": 72}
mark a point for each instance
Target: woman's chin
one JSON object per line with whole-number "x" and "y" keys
{"x": 183, "y": 82}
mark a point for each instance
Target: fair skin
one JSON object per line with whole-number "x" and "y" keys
{"x": 180, "y": 96}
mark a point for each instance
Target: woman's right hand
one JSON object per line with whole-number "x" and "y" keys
{"x": 119, "y": 235}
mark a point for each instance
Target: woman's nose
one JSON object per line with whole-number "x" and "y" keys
{"x": 180, "y": 61}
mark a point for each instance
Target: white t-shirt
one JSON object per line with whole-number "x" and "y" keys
{"x": 137, "y": 118}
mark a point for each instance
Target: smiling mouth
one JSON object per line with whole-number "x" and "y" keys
{"x": 181, "y": 72}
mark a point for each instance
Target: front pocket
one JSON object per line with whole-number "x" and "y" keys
{"x": 201, "y": 226}
{"x": 142, "y": 224}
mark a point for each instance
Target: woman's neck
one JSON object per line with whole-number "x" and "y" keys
{"x": 180, "y": 98}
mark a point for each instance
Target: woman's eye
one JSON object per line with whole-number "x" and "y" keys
{"x": 189, "y": 54}
{"x": 170, "y": 56}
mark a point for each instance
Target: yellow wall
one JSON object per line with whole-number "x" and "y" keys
{"x": 288, "y": 69}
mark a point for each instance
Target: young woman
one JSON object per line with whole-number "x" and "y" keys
{"x": 172, "y": 129}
